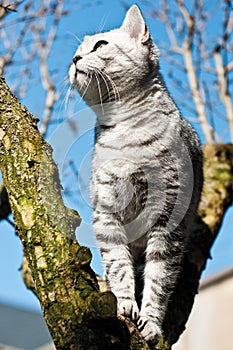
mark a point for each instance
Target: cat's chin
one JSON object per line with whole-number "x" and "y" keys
{"x": 77, "y": 77}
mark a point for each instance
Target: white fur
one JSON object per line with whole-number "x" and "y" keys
{"x": 143, "y": 180}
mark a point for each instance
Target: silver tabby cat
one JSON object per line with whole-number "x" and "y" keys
{"x": 147, "y": 169}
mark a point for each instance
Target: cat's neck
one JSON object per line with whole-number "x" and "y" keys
{"x": 133, "y": 104}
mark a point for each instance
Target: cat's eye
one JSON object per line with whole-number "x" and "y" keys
{"x": 99, "y": 44}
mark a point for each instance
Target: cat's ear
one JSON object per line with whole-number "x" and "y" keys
{"x": 135, "y": 25}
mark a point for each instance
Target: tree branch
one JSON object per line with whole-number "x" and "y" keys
{"x": 77, "y": 314}
{"x": 44, "y": 52}
{"x": 6, "y": 8}
{"x": 223, "y": 88}
{"x": 192, "y": 77}
{"x": 229, "y": 67}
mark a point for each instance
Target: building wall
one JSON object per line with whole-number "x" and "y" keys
{"x": 210, "y": 326}
{"x": 22, "y": 329}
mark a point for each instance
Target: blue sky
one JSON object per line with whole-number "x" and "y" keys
{"x": 81, "y": 22}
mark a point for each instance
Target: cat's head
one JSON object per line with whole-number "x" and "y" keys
{"x": 110, "y": 66}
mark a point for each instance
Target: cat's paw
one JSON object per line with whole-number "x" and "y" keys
{"x": 128, "y": 308}
{"x": 150, "y": 331}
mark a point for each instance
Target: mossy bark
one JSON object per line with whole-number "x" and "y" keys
{"x": 78, "y": 315}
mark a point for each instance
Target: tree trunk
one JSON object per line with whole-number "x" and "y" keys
{"x": 78, "y": 315}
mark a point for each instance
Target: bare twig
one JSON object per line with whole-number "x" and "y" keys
{"x": 229, "y": 67}
{"x": 11, "y": 48}
{"x": 6, "y": 8}
{"x": 170, "y": 31}
{"x": 223, "y": 88}
{"x": 191, "y": 73}
{"x": 44, "y": 51}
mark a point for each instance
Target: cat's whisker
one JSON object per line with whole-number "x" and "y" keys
{"x": 89, "y": 76}
{"x": 65, "y": 84}
{"x": 75, "y": 36}
{"x": 102, "y": 76}
{"x": 65, "y": 100}
{"x": 99, "y": 90}
{"x": 106, "y": 77}
{"x": 106, "y": 83}
{"x": 67, "y": 97}
{"x": 102, "y": 23}
{"x": 115, "y": 89}
{"x": 86, "y": 82}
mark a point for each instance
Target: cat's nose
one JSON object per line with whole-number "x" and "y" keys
{"x": 76, "y": 59}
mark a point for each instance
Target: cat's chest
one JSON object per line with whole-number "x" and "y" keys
{"x": 136, "y": 145}
{"x": 126, "y": 142}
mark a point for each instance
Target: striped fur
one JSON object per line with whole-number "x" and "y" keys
{"x": 147, "y": 169}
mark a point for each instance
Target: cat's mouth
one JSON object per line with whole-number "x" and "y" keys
{"x": 80, "y": 71}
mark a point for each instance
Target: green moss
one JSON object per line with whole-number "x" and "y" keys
{"x": 163, "y": 345}
{"x": 223, "y": 174}
{"x": 102, "y": 305}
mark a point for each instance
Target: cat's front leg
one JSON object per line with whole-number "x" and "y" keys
{"x": 117, "y": 262}
{"x": 120, "y": 275}
{"x": 110, "y": 197}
